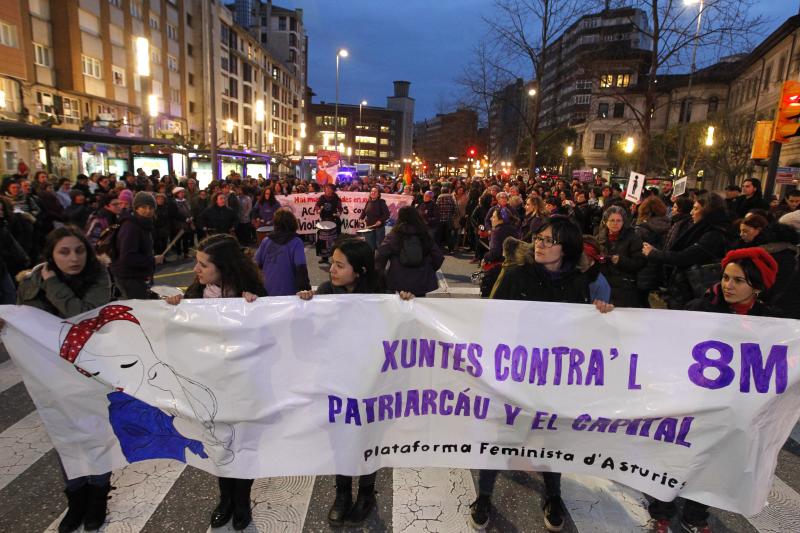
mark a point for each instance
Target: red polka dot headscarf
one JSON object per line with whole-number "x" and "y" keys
{"x": 79, "y": 334}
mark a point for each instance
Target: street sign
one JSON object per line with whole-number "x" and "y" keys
{"x": 584, "y": 175}
{"x": 787, "y": 175}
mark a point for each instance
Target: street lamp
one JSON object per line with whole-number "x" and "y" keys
{"x": 686, "y": 110}
{"x": 143, "y": 71}
{"x": 710, "y": 136}
{"x": 152, "y": 105}
{"x": 630, "y": 145}
{"x": 229, "y": 129}
{"x": 360, "y": 105}
{"x": 341, "y": 53}
{"x": 532, "y": 92}
{"x": 568, "y": 151}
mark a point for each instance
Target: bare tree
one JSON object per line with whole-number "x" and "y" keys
{"x": 672, "y": 31}
{"x": 522, "y": 31}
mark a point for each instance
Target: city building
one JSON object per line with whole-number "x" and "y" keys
{"x": 510, "y": 114}
{"x": 444, "y": 140}
{"x": 378, "y": 136}
{"x": 114, "y": 85}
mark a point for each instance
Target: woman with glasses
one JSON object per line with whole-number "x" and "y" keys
{"x": 551, "y": 276}
{"x": 622, "y": 249}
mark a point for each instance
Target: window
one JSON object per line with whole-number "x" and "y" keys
{"x": 136, "y": 9}
{"x": 223, "y": 61}
{"x": 115, "y": 3}
{"x": 234, "y": 88}
{"x": 386, "y": 155}
{"x": 8, "y": 34}
{"x": 42, "y": 55}
{"x": 602, "y": 110}
{"x": 619, "y": 110}
{"x": 189, "y": 19}
{"x": 292, "y": 24}
{"x": 247, "y": 94}
{"x": 91, "y": 67}
{"x": 189, "y": 50}
{"x": 118, "y": 76}
{"x": 599, "y": 141}
{"x": 767, "y": 77}
{"x": 281, "y": 23}
{"x": 172, "y": 63}
{"x": 233, "y": 65}
{"x": 155, "y": 56}
{"x": 72, "y": 111}
{"x": 247, "y": 117}
{"x": 606, "y": 81}
{"x": 154, "y": 22}
{"x": 191, "y": 79}
{"x": 384, "y": 142}
{"x": 247, "y": 71}
{"x": 172, "y": 32}
{"x": 622, "y": 80}
{"x": 44, "y": 103}
{"x": 263, "y": 38}
{"x": 614, "y": 140}
{"x": 366, "y": 140}
{"x": 713, "y": 105}
{"x": 580, "y": 99}
{"x": 583, "y": 85}
{"x": 384, "y": 129}
{"x": 191, "y": 107}
{"x": 175, "y": 96}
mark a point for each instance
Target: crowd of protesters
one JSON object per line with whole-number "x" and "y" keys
{"x": 536, "y": 239}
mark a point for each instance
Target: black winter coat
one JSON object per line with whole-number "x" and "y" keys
{"x": 746, "y": 204}
{"x": 416, "y": 280}
{"x": 622, "y": 276}
{"x": 135, "y": 259}
{"x": 713, "y": 302}
{"x": 218, "y": 219}
{"x": 532, "y": 282}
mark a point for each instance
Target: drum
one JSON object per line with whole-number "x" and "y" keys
{"x": 368, "y": 235}
{"x": 326, "y": 234}
{"x": 263, "y": 232}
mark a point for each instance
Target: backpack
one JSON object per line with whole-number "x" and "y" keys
{"x": 95, "y": 227}
{"x": 411, "y": 253}
{"x": 107, "y": 242}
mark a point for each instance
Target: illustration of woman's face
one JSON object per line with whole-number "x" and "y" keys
{"x": 124, "y": 372}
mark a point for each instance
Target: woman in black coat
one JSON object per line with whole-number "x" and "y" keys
{"x": 622, "y": 249}
{"x": 504, "y": 225}
{"x": 748, "y": 274}
{"x": 411, "y": 254}
{"x": 218, "y": 217}
{"x": 705, "y": 242}
{"x": 223, "y": 271}
{"x": 553, "y": 276}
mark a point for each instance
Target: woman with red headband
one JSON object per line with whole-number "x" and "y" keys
{"x": 747, "y": 273}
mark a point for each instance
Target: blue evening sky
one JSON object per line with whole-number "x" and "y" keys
{"x": 426, "y": 42}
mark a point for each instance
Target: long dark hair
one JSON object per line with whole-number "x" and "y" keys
{"x": 362, "y": 258}
{"x": 409, "y": 217}
{"x": 272, "y": 200}
{"x": 92, "y": 270}
{"x": 237, "y": 272}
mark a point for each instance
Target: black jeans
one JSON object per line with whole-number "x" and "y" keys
{"x": 487, "y": 478}
{"x": 694, "y": 513}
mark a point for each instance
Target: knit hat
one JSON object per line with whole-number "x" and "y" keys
{"x": 126, "y": 195}
{"x": 143, "y": 199}
{"x": 176, "y": 190}
{"x": 764, "y": 262}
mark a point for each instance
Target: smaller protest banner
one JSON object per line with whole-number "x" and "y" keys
{"x": 584, "y": 175}
{"x": 353, "y": 203}
{"x": 787, "y": 175}
{"x": 327, "y": 166}
{"x": 680, "y": 187}
{"x": 633, "y": 192}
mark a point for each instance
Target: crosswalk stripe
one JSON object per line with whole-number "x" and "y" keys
{"x": 279, "y": 504}
{"x": 597, "y": 504}
{"x": 9, "y": 375}
{"x": 139, "y": 488}
{"x": 431, "y": 499}
{"x": 21, "y": 445}
{"x": 781, "y": 513}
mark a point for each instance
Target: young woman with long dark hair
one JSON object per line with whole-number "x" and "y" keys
{"x": 72, "y": 281}
{"x": 352, "y": 271}
{"x": 223, "y": 271}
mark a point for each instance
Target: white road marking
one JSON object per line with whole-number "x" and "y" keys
{"x": 431, "y": 499}
{"x": 21, "y": 445}
{"x": 9, "y": 375}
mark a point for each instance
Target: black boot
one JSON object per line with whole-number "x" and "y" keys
{"x": 365, "y": 503}
{"x": 76, "y": 509}
{"x": 242, "y": 515}
{"x": 96, "y": 507}
{"x": 224, "y": 510}
{"x": 341, "y": 506}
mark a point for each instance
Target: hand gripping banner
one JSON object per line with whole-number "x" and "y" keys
{"x": 668, "y": 402}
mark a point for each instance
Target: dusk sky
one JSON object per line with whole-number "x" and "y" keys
{"x": 426, "y": 42}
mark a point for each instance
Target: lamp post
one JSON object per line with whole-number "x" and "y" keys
{"x": 360, "y": 105}
{"x": 341, "y": 53}
{"x": 688, "y": 107}
{"x": 143, "y": 71}
{"x": 229, "y": 129}
{"x": 568, "y": 152}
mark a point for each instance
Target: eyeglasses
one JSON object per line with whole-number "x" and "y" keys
{"x": 546, "y": 242}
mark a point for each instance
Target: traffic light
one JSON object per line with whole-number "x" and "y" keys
{"x": 472, "y": 152}
{"x": 786, "y": 125}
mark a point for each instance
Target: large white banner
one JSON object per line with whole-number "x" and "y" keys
{"x": 302, "y": 205}
{"x": 670, "y": 403}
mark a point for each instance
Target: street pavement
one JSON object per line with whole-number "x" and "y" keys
{"x": 165, "y": 496}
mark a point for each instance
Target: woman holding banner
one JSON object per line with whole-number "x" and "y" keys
{"x": 352, "y": 272}
{"x": 553, "y": 276}
{"x": 72, "y": 281}
{"x": 223, "y": 271}
{"x": 747, "y": 274}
